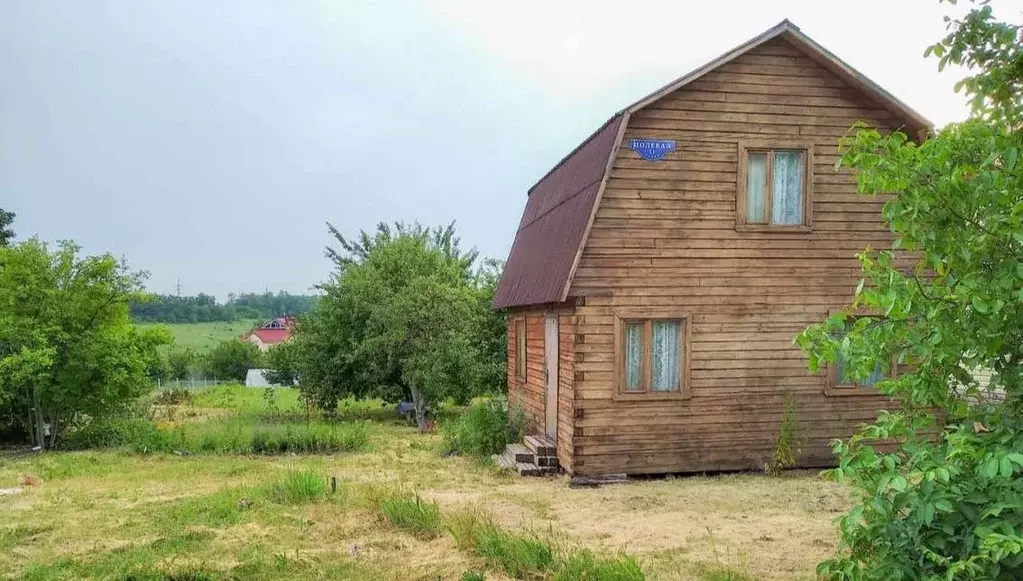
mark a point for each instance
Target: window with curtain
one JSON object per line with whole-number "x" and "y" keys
{"x": 774, "y": 186}
{"x": 841, "y": 377}
{"x": 520, "y": 348}
{"x": 652, "y": 356}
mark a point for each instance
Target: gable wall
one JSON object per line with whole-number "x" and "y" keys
{"x": 664, "y": 235}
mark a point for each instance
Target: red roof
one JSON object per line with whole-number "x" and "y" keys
{"x": 554, "y": 224}
{"x": 270, "y": 336}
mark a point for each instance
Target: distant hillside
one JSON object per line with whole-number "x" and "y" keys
{"x": 204, "y": 308}
{"x": 205, "y": 336}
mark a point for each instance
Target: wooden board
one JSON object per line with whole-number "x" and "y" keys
{"x": 664, "y": 236}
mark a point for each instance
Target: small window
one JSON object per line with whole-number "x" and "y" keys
{"x": 840, "y": 380}
{"x": 520, "y": 349}
{"x": 651, "y": 355}
{"x": 774, "y": 187}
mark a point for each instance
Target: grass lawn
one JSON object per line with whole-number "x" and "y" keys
{"x": 205, "y": 336}
{"x": 397, "y": 512}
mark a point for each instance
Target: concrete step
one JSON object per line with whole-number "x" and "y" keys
{"x": 520, "y": 453}
{"x": 541, "y": 446}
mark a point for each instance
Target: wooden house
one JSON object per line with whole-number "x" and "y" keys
{"x": 661, "y": 270}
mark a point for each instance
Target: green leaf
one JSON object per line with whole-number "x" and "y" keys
{"x": 1005, "y": 467}
{"x": 979, "y": 305}
{"x": 990, "y": 468}
{"x": 898, "y": 483}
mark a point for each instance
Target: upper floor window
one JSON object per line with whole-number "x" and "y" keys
{"x": 774, "y": 189}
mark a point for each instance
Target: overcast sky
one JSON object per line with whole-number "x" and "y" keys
{"x": 210, "y": 140}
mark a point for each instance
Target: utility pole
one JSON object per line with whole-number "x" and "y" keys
{"x": 178, "y": 286}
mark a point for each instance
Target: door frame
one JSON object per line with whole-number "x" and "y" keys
{"x": 551, "y": 375}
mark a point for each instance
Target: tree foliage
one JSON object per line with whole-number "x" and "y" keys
{"x": 232, "y": 359}
{"x": 6, "y": 234}
{"x": 405, "y": 314}
{"x": 68, "y": 349}
{"x": 945, "y": 302}
{"x": 281, "y": 362}
{"x": 204, "y": 308}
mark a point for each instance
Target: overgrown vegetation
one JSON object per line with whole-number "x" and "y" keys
{"x": 237, "y": 435}
{"x": 520, "y": 556}
{"x": 68, "y": 350}
{"x": 485, "y": 428}
{"x": 946, "y": 503}
{"x": 410, "y": 512}
{"x": 405, "y": 316}
{"x": 529, "y": 556}
{"x": 787, "y": 445}
{"x": 296, "y": 487}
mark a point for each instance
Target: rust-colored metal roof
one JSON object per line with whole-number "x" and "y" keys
{"x": 554, "y": 223}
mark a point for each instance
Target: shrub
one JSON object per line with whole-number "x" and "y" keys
{"x": 485, "y": 428}
{"x": 584, "y": 566}
{"x": 137, "y": 434}
{"x": 296, "y": 487}
{"x": 411, "y": 513}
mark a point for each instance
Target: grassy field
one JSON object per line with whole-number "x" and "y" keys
{"x": 399, "y": 510}
{"x": 205, "y": 336}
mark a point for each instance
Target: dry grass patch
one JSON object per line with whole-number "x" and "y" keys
{"x": 110, "y": 514}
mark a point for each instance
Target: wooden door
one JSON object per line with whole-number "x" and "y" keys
{"x": 550, "y": 370}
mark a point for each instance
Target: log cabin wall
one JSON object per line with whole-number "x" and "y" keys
{"x": 530, "y": 393}
{"x": 665, "y": 235}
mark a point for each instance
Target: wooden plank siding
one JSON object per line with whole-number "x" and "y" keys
{"x": 530, "y": 394}
{"x": 665, "y": 235}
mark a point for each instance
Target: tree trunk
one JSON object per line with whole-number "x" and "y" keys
{"x": 419, "y": 400}
{"x": 40, "y": 437}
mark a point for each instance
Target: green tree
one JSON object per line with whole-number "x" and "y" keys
{"x": 6, "y": 234}
{"x": 69, "y": 352}
{"x": 282, "y": 364}
{"x": 232, "y": 359}
{"x": 370, "y": 334}
{"x": 182, "y": 363}
{"x": 948, "y": 502}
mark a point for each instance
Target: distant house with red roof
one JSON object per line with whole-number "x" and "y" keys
{"x": 277, "y": 330}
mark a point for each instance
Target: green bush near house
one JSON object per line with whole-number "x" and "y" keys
{"x": 485, "y": 428}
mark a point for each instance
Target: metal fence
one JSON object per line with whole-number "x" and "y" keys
{"x": 193, "y": 383}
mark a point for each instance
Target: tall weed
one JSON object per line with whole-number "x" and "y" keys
{"x": 296, "y": 487}
{"x": 485, "y": 428}
{"x": 411, "y": 513}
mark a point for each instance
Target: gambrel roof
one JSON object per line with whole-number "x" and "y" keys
{"x": 560, "y": 207}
